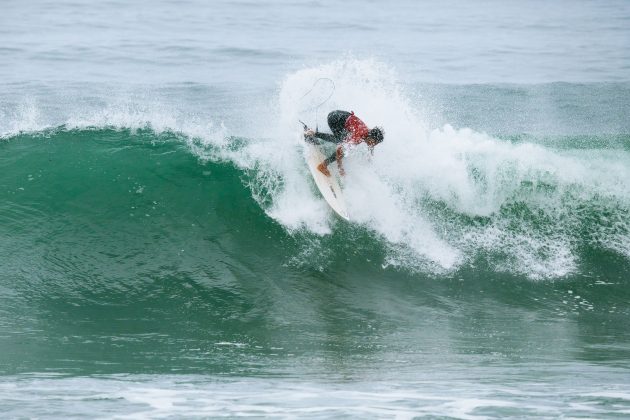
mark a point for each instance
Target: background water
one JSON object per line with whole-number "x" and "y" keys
{"x": 165, "y": 254}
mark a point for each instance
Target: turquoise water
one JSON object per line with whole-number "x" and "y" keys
{"x": 165, "y": 253}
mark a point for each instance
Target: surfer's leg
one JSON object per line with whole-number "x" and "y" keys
{"x": 326, "y": 137}
{"x": 323, "y": 167}
{"x": 330, "y": 159}
{"x": 313, "y": 140}
{"x": 320, "y": 138}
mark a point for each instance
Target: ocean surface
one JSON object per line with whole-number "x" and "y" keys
{"x": 164, "y": 252}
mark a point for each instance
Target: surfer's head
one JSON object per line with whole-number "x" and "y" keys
{"x": 374, "y": 137}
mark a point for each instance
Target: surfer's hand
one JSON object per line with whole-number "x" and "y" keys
{"x": 323, "y": 169}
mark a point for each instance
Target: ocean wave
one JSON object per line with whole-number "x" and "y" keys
{"x": 516, "y": 217}
{"x": 432, "y": 200}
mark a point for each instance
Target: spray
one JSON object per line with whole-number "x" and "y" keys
{"x": 319, "y": 105}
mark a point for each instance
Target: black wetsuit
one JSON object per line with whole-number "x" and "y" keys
{"x": 336, "y": 122}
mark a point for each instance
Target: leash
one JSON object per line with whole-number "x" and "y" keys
{"x": 316, "y": 108}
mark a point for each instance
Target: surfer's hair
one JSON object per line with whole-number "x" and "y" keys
{"x": 377, "y": 134}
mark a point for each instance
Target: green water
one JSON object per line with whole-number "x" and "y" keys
{"x": 126, "y": 253}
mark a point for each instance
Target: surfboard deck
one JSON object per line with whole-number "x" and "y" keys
{"x": 327, "y": 185}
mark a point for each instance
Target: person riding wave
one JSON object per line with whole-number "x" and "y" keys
{"x": 347, "y": 129}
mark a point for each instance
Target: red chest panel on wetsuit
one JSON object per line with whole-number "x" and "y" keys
{"x": 357, "y": 130}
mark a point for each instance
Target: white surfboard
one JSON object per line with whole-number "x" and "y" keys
{"x": 328, "y": 185}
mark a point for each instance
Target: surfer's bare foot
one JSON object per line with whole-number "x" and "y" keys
{"x": 323, "y": 169}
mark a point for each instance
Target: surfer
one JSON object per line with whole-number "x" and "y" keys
{"x": 347, "y": 129}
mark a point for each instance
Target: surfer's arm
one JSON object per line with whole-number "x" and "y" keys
{"x": 339, "y": 156}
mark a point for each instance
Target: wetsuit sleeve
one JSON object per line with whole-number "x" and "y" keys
{"x": 330, "y": 159}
